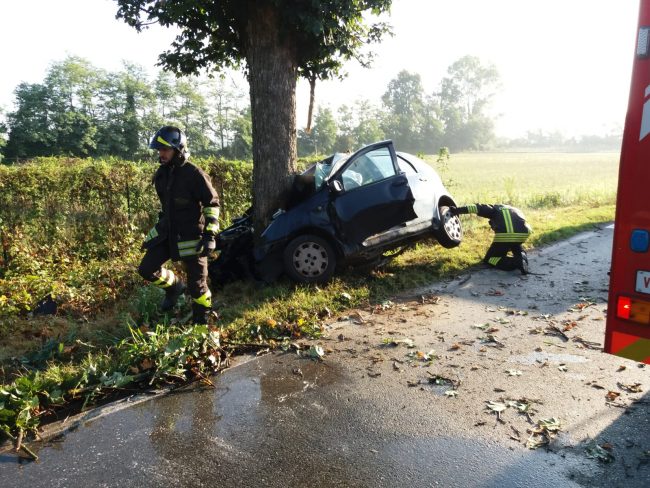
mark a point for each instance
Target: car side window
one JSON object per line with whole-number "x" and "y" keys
{"x": 372, "y": 166}
{"x": 405, "y": 166}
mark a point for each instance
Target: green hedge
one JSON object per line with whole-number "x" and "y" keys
{"x": 61, "y": 218}
{"x": 93, "y": 208}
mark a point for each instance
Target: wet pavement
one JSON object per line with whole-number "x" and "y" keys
{"x": 368, "y": 414}
{"x": 264, "y": 427}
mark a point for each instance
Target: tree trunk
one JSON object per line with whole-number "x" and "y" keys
{"x": 272, "y": 76}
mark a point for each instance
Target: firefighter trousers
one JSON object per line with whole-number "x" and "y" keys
{"x": 497, "y": 255}
{"x": 196, "y": 268}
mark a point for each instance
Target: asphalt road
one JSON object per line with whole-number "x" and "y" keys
{"x": 400, "y": 398}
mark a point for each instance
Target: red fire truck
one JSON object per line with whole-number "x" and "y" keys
{"x": 628, "y": 311}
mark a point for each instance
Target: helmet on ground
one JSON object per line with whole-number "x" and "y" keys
{"x": 170, "y": 136}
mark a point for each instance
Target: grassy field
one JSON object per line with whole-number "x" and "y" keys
{"x": 532, "y": 180}
{"x": 561, "y": 194}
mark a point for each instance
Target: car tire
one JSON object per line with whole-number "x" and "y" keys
{"x": 309, "y": 259}
{"x": 450, "y": 233}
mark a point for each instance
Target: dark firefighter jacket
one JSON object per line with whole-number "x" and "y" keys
{"x": 508, "y": 223}
{"x": 185, "y": 191}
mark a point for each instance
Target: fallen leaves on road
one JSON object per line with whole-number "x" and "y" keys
{"x": 543, "y": 433}
{"x": 612, "y": 395}
{"x": 568, "y": 325}
{"x": 432, "y": 299}
{"x": 513, "y": 372}
{"x": 487, "y": 327}
{"x": 437, "y": 379}
{"x": 492, "y": 341}
{"x": 579, "y": 307}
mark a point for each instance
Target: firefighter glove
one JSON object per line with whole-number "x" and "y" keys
{"x": 206, "y": 245}
{"x": 453, "y": 211}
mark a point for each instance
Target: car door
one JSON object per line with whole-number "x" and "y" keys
{"x": 373, "y": 196}
{"x": 422, "y": 185}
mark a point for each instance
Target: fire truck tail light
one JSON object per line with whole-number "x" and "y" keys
{"x": 623, "y": 308}
{"x": 633, "y": 309}
{"x": 643, "y": 44}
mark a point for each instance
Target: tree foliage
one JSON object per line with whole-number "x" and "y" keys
{"x": 465, "y": 94}
{"x": 275, "y": 41}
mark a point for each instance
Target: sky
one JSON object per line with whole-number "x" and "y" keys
{"x": 565, "y": 65}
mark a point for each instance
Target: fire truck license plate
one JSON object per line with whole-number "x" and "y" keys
{"x": 643, "y": 281}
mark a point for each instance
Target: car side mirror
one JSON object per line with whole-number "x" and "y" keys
{"x": 336, "y": 186}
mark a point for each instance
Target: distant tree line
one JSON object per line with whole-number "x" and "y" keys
{"x": 79, "y": 110}
{"x": 556, "y": 141}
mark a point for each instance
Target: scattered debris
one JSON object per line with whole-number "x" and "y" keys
{"x": 393, "y": 342}
{"x": 432, "y": 299}
{"x": 516, "y": 312}
{"x": 357, "y": 318}
{"x": 513, "y": 372}
{"x": 383, "y": 306}
{"x": 556, "y": 331}
{"x": 451, "y": 393}
{"x": 487, "y": 327}
{"x": 612, "y": 395}
{"x": 631, "y": 388}
{"x": 588, "y": 344}
{"x": 568, "y": 325}
{"x": 492, "y": 341}
{"x": 426, "y": 357}
{"x": 496, "y": 407}
{"x": 436, "y": 379}
{"x": 494, "y": 293}
{"x": 502, "y": 321}
{"x": 517, "y": 434}
{"x": 601, "y": 453}
{"x": 579, "y": 307}
{"x": 524, "y": 407}
{"x": 316, "y": 352}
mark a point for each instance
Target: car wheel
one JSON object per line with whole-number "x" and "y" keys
{"x": 450, "y": 234}
{"x": 309, "y": 259}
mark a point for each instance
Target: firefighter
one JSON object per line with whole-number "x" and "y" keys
{"x": 510, "y": 232}
{"x": 187, "y": 225}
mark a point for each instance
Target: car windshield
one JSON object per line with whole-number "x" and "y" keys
{"x": 327, "y": 167}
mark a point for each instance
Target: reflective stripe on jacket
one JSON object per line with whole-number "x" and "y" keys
{"x": 508, "y": 223}
{"x": 184, "y": 190}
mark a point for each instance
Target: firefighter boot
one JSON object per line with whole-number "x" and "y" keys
{"x": 524, "y": 263}
{"x": 200, "y": 314}
{"x": 171, "y": 295}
